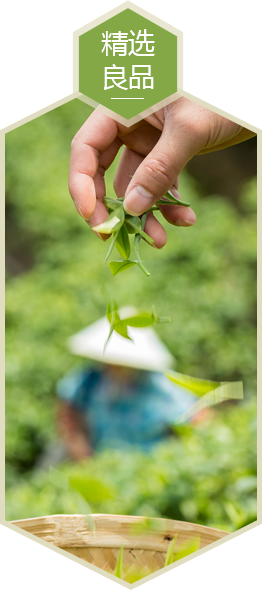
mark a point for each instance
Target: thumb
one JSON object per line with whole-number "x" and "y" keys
{"x": 182, "y": 137}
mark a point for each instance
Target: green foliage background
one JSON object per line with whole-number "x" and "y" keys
{"x": 204, "y": 279}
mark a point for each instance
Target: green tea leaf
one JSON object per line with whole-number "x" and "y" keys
{"x": 91, "y": 488}
{"x": 117, "y": 266}
{"x": 112, "y": 312}
{"x": 85, "y": 509}
{"x": 169, "y": 199}
{"x": 121, "y": 328}
{"x": 112, "y": 203}
{"x": 113, "y": 223}
{"x": 113, "y": 318}
{"x": 187, "y": 548}
{"x": 223, "y": 392}
{"x": 108, "y": 338}
{"x": 119, "y": 564}
{"x": 122, "y": 242}
{"x": 140, "y": 320}
{"x": 111, "y": 247}
{"x": 133, "y": 224}
{"x": 215, "y": 394}
{"x": 198, "y": 386}
{"x": 163, "y": 320}
{"x": 118, "y": 569}
{"x": 159, "y": 319}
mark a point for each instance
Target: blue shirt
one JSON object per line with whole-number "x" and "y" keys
{"x": 116, "y": 414}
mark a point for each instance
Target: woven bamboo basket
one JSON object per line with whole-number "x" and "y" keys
{"x": 144, "y": 547}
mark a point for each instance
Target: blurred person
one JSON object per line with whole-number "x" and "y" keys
{"x": 123, "y": 398}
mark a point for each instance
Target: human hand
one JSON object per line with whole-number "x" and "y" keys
{"x": 156, "y": 150}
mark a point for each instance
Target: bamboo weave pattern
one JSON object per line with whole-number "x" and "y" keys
{"x": 144, "y": 547}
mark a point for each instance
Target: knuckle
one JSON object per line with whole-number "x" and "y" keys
{"x": 160, "y": 171}
{"x": 192, "y": 121}
{"x": 191, "y": 125}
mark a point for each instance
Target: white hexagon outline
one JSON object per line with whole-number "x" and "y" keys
{"x": 180, "y": 62}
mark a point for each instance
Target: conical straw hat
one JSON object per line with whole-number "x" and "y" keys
{"x": 145, "y": 351}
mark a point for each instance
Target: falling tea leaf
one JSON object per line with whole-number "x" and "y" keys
{"x": 117, "y": 266}
{"x": 211, "y": 393}
{"x": 140, "y": 319}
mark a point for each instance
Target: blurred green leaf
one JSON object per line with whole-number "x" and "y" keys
{"x": 117, "y": 266}
{"x": 85, "y": 509}
{"x": 198, "y": 386}
{"x": 140, "y": 320}
{"x": 202, "y": 465}
{"x": 119, "y": 563}
{"x": 92, "y": 489}
{"x": 121, "y": 328}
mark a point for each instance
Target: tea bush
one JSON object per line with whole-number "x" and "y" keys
{"x": 207, "y": 475}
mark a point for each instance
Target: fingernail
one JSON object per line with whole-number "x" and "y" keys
{"x": 138, "y": 201}
{"x": 180, "y": 222}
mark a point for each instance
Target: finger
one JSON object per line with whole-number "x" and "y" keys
{"x": 142, "y": 138}
{"x": 105, "y": 160}
{"x": 155, "y": 230}
{"x": 99, "y": 216}
{"x": 174, "y": 214}
{"x": 181, "y": 138}
{"x": 101, "y": 213}
{"x": 94, "y": 137}
{"x": 242, "y": 134}
{"x": 128, "y": 163}
{"x": 178, "y": 214}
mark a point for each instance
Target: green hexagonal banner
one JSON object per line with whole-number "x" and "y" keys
{"x": 128, "y": 64}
